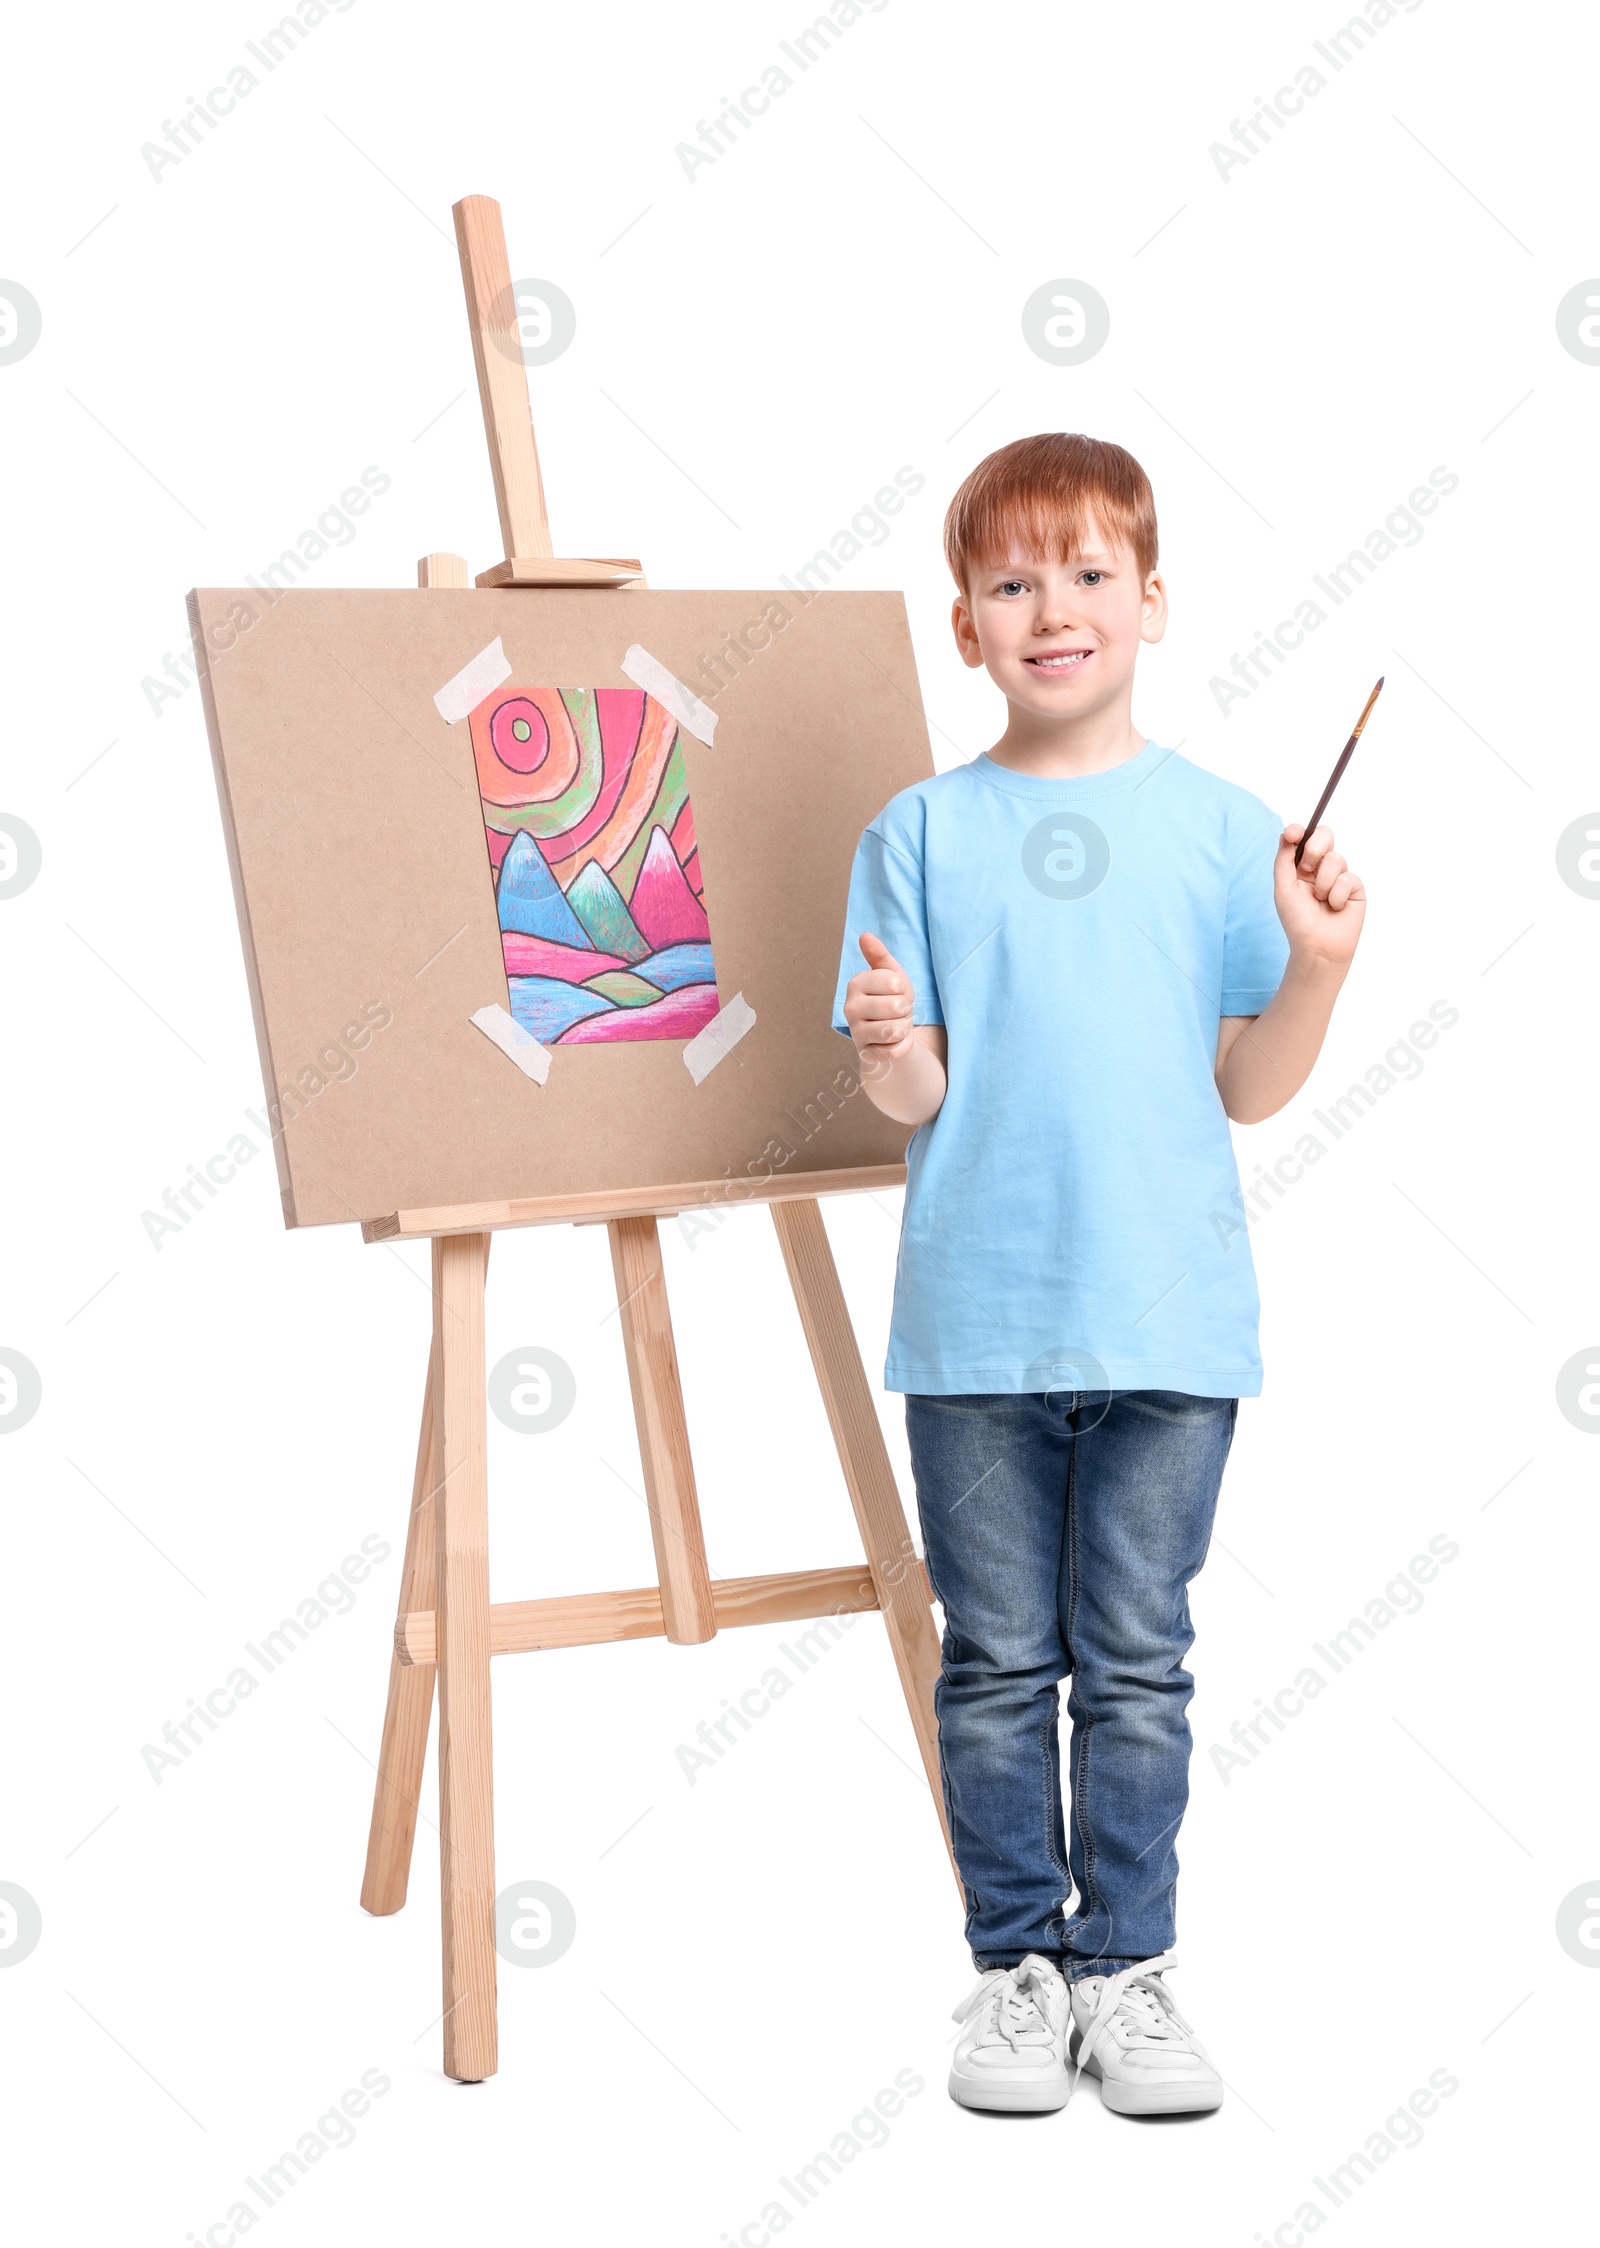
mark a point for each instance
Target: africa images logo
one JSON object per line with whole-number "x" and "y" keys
{"x": 1066, "y": 856}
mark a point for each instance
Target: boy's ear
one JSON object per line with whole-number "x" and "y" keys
{"x": 1153, "y": 623}
{"x": 966, "y": 635}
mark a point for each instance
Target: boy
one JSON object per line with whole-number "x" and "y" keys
{"x": 1084, "y": 954}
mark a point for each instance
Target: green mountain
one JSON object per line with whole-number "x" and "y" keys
{"x": 601, "y": 908}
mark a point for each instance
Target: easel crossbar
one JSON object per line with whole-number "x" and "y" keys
{"x": 586, "y": 1619}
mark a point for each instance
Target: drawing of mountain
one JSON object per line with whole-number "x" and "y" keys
{"x": 530, "y": 897}
{"x": 599, "y": 905}
{"x": 663, "y": 906}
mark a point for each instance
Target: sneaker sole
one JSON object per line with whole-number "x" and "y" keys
{"x": 1037, "y": 2096}
{"x": 1158, "y": 2099}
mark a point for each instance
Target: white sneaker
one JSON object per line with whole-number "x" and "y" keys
{"x": 1011, "y": 2054}
{"x": 1127, "y": 2032}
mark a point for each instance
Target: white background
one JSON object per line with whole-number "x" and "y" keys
{"x": 1292, "y": 350}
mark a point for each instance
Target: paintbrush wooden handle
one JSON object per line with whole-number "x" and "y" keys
{"x": 1345, "y": 756}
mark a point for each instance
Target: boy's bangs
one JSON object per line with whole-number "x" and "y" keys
{"x": 1053, "y": 525}
{"x": 1038, "y": 497}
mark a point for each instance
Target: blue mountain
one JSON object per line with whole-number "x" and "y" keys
{"x": 530, "y": 898}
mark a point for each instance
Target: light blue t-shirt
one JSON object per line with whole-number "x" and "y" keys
{"x": 1072, "y": 1214}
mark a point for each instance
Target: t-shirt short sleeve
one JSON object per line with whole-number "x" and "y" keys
{"x": 888, "y": 900}
{"x": 1255, "y": 950}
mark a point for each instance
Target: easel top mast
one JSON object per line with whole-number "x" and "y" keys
{"x": 502, "y": 378}
{"x": 508, "y": 414}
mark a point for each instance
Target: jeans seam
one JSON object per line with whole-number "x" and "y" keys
{"x": 967, "y": 1891}
{"x": 1083, "y": 1732}
{"x": 968, "y": 1894}
{"x": 1052, "y": 1793}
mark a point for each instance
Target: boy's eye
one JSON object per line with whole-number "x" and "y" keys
{"x": 1019, "y": 585}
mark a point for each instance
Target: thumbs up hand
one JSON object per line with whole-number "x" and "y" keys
{"x": 878, "y": 1004}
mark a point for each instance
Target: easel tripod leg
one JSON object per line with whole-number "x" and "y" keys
{"x": 897, "y": 1573}
{"x": 409, "y": 1710}
{"x": 461, "y": 1604}
{"x": 686, "y": 1602}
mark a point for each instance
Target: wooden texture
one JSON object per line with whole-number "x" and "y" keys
{"x": 896, "y": 1573}
{"x": 657, "y": 1202}
{"x": 461, "y": 1609}
{"x": 367, "y": 885}
{"x": 528, "y": 569}
{"x": 409, "y": 1709}
{"x": 589, "y": 1619}
{"x": 642, "y": 1307}
{"x": 442, "y": 569}
{"x": 502, "y": 376}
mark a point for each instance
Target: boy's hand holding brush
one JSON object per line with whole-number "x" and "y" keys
{"x": 1320, "y": 902}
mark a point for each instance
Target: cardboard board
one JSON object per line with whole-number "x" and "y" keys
{"x": 364, "y": 862}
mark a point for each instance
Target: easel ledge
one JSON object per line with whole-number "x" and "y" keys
{"x": 629, "y": 1202}
{"x": 447, "y": 1541}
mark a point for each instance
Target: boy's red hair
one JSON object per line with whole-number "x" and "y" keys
{"x": 1038, "y": 494}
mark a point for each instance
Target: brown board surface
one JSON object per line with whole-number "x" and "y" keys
{"x": 366, "y": 893}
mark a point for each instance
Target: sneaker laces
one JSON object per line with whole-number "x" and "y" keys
{"x": 1139, "y": 1991}
{"x": 1010, "y": 2004}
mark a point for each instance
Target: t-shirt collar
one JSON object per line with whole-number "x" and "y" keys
{"x": 1129, "y": 774}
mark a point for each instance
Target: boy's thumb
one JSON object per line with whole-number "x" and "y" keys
{"x": 875, "y": 952}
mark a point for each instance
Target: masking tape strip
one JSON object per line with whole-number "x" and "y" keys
{"x": 518, "y": 1045}
{"x": 721, "y": 1034}
{"x": 469, "y": 686}
{"x": 685, "y": 705}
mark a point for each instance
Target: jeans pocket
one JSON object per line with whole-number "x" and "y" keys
{"x": 1178, "y": 1405}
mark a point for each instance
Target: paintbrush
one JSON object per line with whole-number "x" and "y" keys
{"x": 1333, "y": 778}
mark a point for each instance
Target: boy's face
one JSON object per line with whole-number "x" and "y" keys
{"x": 1059, "y": 639}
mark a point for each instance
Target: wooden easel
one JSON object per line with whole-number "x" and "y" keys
{"x": 447, "y": 1625}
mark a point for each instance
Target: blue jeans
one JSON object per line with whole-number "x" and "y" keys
{"x": 1062, "y": 1531}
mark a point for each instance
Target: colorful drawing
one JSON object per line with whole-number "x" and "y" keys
{"x": 597, "y": 877}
